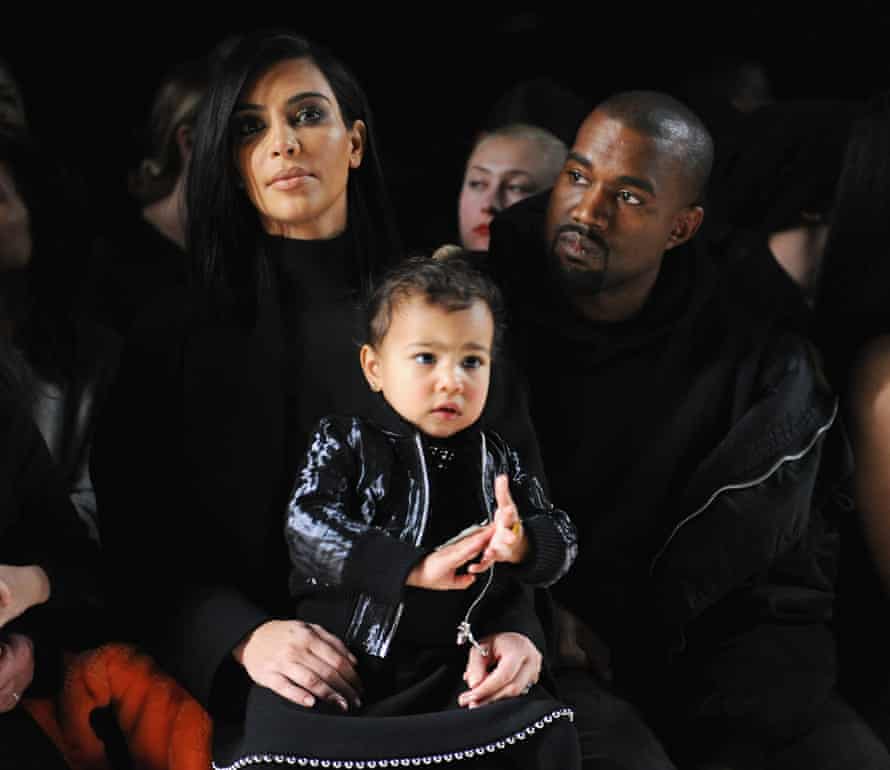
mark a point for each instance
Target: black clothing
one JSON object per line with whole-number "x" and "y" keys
{"x": 39, "y": 526}
{"x": 692, "y": 472}
{"x": 193, "y": 461}
{"x": 368, "y": 503}
{"x": 131, "y": 267}
{"x": 360, "y": 518}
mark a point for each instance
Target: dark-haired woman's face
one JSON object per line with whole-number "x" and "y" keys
{"x": 295, "y": 152}
{"x": 15, "y": 228}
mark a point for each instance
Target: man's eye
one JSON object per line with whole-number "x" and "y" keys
{"x": 471, "y": 362}
{"x": 628, "y": 197}
{"x": 576, "y": 177}
{"x": 425, "y": 358}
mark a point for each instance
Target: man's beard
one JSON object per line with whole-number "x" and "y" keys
{"x": 579, "y": 259}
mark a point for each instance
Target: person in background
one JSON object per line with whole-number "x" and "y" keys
{"x": 505, "y": 165}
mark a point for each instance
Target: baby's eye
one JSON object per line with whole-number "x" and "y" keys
{"x": 471, "y": 362}
{"x": 425, "y": 358}
{"x": 628, "y": 197}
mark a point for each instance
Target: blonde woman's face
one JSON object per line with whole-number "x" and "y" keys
{"x": 501, "y": 171}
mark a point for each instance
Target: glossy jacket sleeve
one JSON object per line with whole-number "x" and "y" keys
{"x": 331, "y": 543}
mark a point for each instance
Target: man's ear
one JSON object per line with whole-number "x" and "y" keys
{"x": 359, "y": 135}
{"x": 371, "y": 367}
{"x": 686, "y": 224}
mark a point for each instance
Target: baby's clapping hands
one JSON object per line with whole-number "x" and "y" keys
{"x": 508, "y": 542}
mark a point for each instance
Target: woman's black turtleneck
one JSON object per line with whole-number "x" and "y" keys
{"x": 319, "y": 290}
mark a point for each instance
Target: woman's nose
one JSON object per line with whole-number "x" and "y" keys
{"x": 285, "y": 140}
{"x": 491, "y": 203}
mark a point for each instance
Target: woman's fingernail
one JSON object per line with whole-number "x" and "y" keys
{"x": 341, "y": 702}
{"x": 308, "y": 701}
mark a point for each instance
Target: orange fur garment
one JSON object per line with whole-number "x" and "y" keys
{"x": 165, "y": 728}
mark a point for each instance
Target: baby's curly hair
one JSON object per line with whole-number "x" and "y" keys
{"x": 446, "y": 278}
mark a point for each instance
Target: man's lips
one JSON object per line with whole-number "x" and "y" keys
{"x": 579, "y": 249}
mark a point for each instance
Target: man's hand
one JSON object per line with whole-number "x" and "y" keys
{"x": 438, "y": 570}
{"x": 20, "y": 589}
{"x": 508, "y": 543}
{"x": 580, "y": 647}
{"x": 511, "y": 667}
{"x": 16, "y": 670}
{"x": 301, "y": 662}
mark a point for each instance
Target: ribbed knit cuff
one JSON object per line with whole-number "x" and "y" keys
{"x": 547, "y": 552}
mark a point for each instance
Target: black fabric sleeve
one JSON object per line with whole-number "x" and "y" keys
{"x": 177, "y": 569}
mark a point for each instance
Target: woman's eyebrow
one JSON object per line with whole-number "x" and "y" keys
{"x": 295, "y": 98}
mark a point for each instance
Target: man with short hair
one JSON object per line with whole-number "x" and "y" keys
{"x": 685, "y": 436}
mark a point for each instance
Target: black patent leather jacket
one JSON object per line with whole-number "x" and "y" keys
{"x": 360, "y": 507}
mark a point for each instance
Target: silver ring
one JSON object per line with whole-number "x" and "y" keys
{"x": 16, "y": 696}
{"x": 527, "y": 688}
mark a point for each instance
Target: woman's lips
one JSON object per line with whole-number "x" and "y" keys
{"x": 289, "y": 179}
{"x": 482, "y": 230}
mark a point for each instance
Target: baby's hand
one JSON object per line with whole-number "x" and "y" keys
{"x": 438, "y": 570}
{"x": 508, "y": 543}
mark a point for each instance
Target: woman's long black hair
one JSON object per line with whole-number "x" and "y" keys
{"x": 853, "y": 305}
{"x": 224, "y": 229}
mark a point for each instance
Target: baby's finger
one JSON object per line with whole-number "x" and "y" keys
{"x": 502, "y": 491}
{"x": 463, "y": 550}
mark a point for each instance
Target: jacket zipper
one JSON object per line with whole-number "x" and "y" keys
{"x": 746, "y": 484}
{"x": 464, "y": 630}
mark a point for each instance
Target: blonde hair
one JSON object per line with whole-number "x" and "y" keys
{"x": 553, "y": 150}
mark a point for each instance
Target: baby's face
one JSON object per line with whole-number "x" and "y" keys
{"x": 434, "y": 365}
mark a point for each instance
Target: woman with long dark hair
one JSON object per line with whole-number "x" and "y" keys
{"x": 288, "y": 226}
{"x": 852, "y": 325}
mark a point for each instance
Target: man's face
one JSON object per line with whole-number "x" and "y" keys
{"x": 619, "y": 203}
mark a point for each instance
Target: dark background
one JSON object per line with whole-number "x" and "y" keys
{"x": 432, "y": 71}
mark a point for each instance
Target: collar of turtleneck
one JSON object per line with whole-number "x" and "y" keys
{"x": 315, "y": 269}
{"x": 390, "y": 420}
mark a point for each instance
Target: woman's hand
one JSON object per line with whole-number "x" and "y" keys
{"x": 438, "y": 570}
{"x": 301, "y": 662}
{"x": 20, "y": 589}
{"x": 508, "y": 543}
{"x": 16, "y": 670}
{"x": 511, "y": 667}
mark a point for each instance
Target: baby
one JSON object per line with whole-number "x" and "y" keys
{"x": 423, "y": 529}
